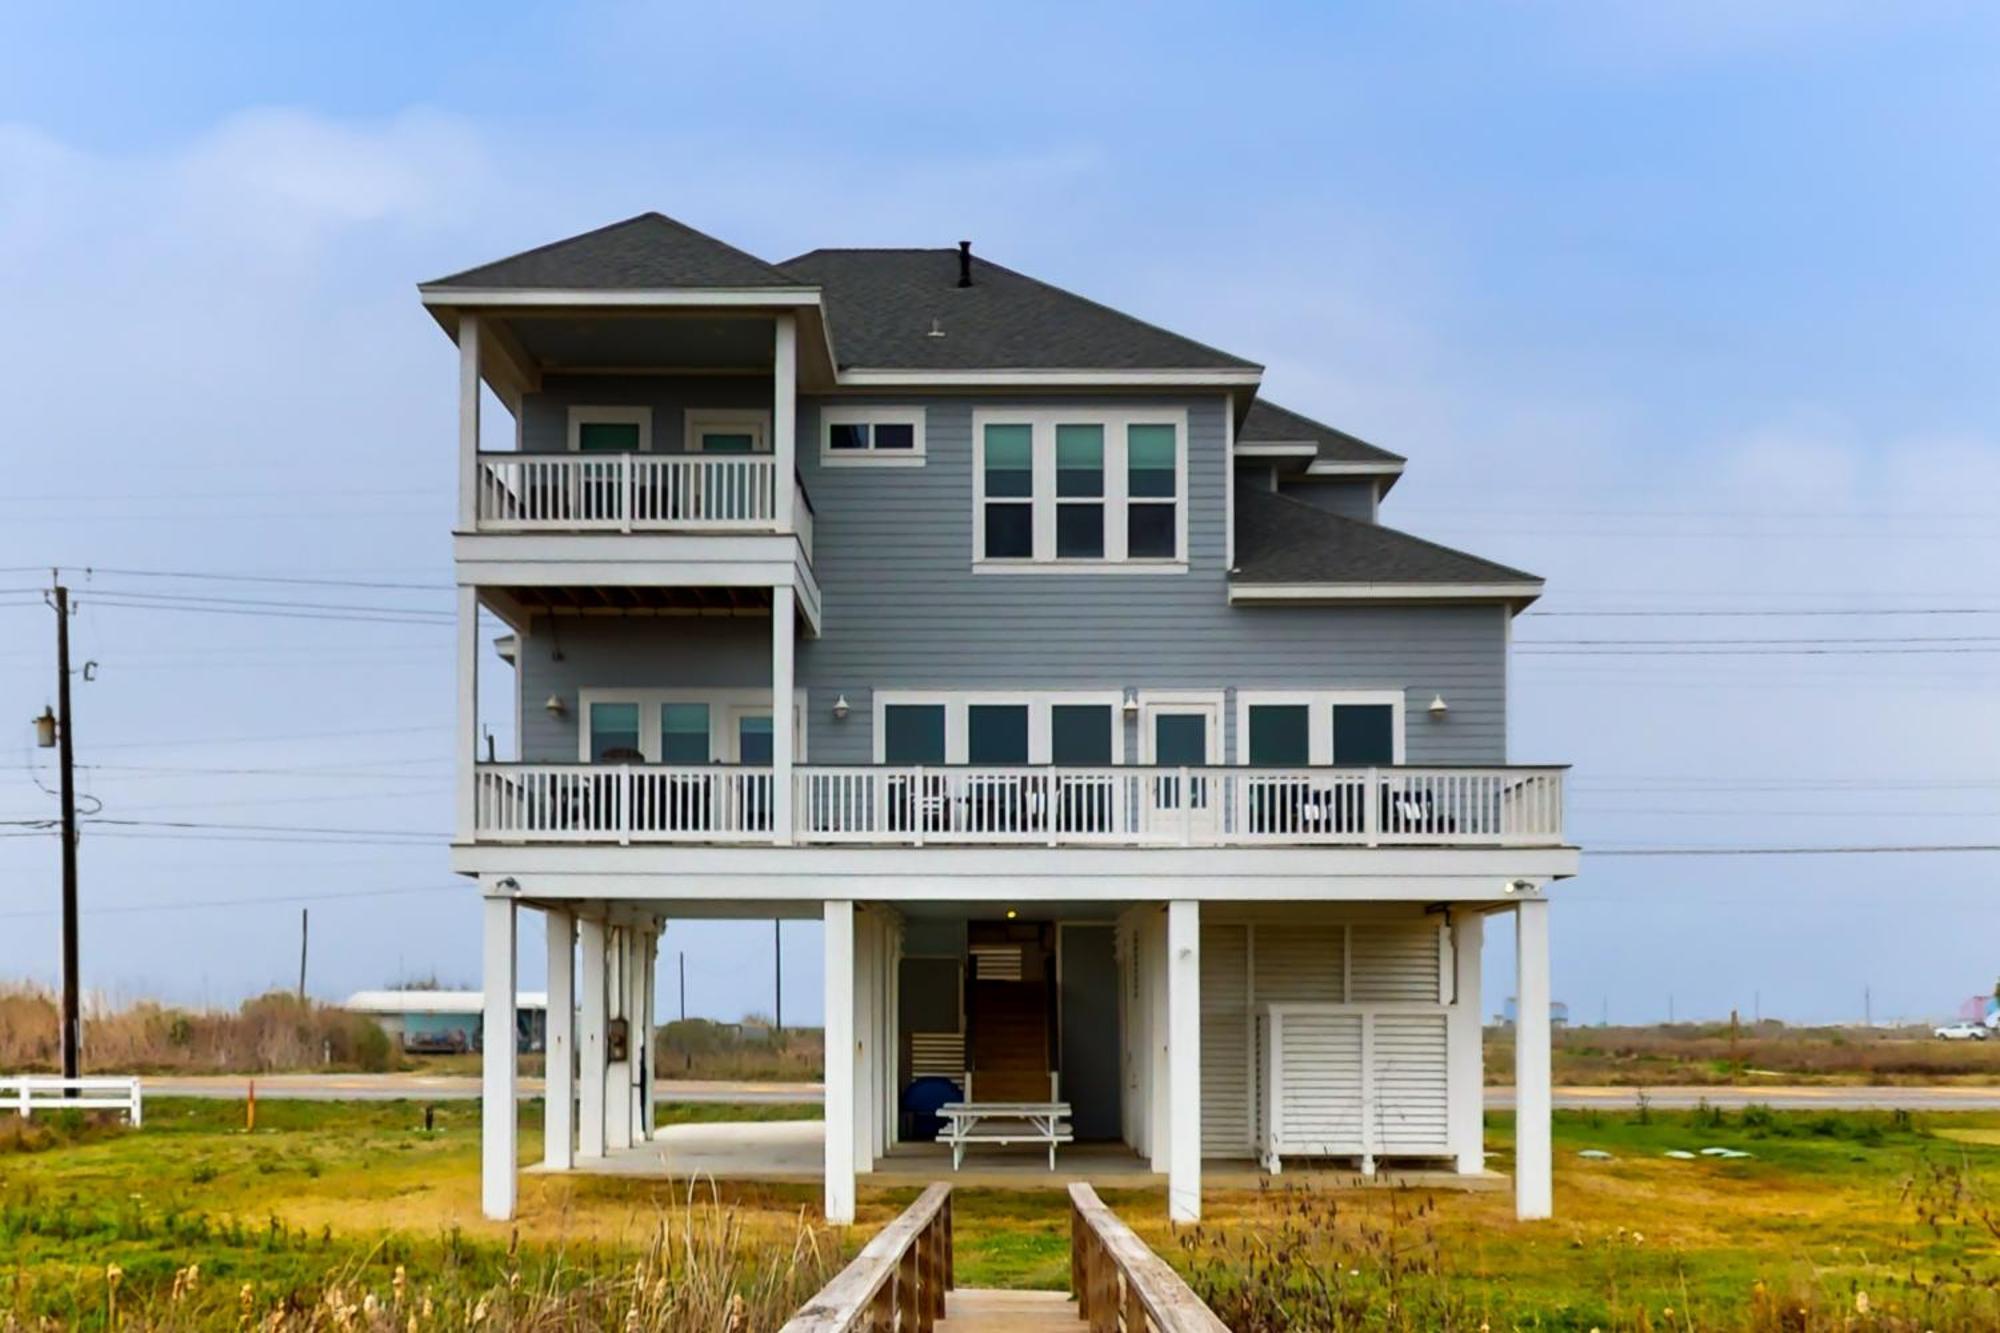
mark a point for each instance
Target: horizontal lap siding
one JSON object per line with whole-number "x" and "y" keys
{"x": 1225, "y": 1030}
{"x": 1396, "y": 963}
{"x": 903, "y": 609}
{"x": 1300, "y": 964}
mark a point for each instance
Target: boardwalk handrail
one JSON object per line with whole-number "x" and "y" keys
{"x": 1121, "y": 1286}
{"x": 28, "y": 1093}
{"x": 897, "y": 1283}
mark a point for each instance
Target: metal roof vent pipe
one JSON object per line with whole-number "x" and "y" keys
{"x": 965, "y": 263}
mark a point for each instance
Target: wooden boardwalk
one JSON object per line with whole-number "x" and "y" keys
{"x": 979, "y": 1310}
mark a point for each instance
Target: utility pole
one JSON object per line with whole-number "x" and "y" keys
{"x": 72, "y": 997}
{"x": 684, "y": 985}
{"x": 778, "y": 976}
{"x": 1867, "y": 1007}
{"x": 304, "y": 920}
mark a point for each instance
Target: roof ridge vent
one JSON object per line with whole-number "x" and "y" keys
{"x": 965, "y": 263}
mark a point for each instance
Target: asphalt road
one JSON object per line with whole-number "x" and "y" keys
{"x": 454, "y": 1087}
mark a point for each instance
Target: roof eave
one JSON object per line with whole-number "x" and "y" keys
{"x": 1517, "y": 594}
{"x": 601, "y": 297}
{"x": 882, "y": 377}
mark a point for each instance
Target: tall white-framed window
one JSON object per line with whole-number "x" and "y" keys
{"x": 1293, "y": 728}
{"x": 728, "y": 431}
{"x": 610, "y": 430}
{"x": 1079, "y": 488}
{"x": 871, "y": 436}
{"x": 1072, "y": 727}
{"x": 692, "y": 726}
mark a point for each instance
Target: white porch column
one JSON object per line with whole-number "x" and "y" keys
{"x": 618, "y": 1080}
{"x": 638, "y": 975}
{"x": 1159, "y": 1139}
{"x": 839, "y": 1062}
{"x": 649, "y": 986}
{"x": 466, "y": 804}
{"x": 784, "y": 415}
{"x": 1467, "y": 1071}
{"x": 590, "y": 1040}
{"x": 497, "y": 1110}
{"x": 1534, "y": 1185}
{"x": 783, "y": 624}
{"x": 1184, "y": 1060}
{"x": 468, "y": 422}
{"x": 559, "y": 1047}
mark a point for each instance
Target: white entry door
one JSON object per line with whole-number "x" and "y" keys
{"x": 1175, "y": 734}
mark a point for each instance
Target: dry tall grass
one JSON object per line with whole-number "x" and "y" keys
{"x": 1719, "y": 1053}
{"x": 265, "y": 1034}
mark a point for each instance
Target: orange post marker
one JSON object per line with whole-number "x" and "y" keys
{"x": 250, "y": 1109}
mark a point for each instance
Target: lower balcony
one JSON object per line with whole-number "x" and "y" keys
{"x": 915, "y": 806}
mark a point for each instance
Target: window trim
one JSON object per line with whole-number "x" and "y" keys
{"x": 913, "y": 417}
{"x": 724, "y": 707}
{"x": 610, "y": 414}
{"x": 735, "y": 420}
{"x": 1038, "y": 703}
{"x": 1319, "y": 706}
{"x": 1042, "y": 423}
{"x": 1210, "y": 703}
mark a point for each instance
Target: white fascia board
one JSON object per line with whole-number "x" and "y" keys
{"x": 1276, "y": 449}
{"x": 1051, "y": 379}
{"x": 1242, "y": 593}
{"x": 1325, "y": 468}
{"x": 1019, "y": 873}
{"x": 589, "y": 297}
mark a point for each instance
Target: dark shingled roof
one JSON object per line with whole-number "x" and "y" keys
{"x": 882, "y": 305}
{"x": 1283, "y": 540}
{"x": 649, "y": 251}
{"x": 1267, "y": 421}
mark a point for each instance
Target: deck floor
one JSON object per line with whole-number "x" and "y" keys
{"x": 792, "y": 1151}
{"x": 976, "y": 1310}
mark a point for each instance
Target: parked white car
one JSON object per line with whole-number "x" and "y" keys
{"x": 1960, "y": 1032}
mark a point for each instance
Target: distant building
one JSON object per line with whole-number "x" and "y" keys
{"x": 1558, "y": 1014}
{"x": 445, "y": 1021}
{"x": 1981, "y": 1009}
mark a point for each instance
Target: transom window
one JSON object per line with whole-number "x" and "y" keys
{"x": 1055, "y": 487}
{"x": 871, "y": 436}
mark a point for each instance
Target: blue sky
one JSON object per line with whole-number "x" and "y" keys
{"x": 1683, "y": 307}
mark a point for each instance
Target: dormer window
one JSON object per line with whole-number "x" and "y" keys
{"x": 1079, "y": 488}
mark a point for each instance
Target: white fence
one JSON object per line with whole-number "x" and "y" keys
{"x": 29, "y": 1093}
{"x": 521, "y": 492}
{"x": 1026, "y": 804}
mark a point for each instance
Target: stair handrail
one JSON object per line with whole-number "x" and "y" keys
{"x": 897, "y": 1284}
{"x": 1120, "y": 1284}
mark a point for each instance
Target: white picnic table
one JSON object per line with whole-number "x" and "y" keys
{"x": 1003, "y": 1123}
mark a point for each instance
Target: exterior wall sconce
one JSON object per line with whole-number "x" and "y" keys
{"x": 840, "y": 708}
{"x": 556, "y": 706}
{"x": 1438, "y": 708}
{"x": 1131, "y": 702}
{"x": 45, "y": 729}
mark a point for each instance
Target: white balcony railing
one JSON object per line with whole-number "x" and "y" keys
{"x": 1023, "y": 804}
{"x": 626, "y": 492}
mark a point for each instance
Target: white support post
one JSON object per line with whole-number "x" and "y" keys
{"x": 1184, "y": 1060}
{"x": 649, "y": 988}
{"x": 468, "y": 422}
{"x": 1467, "y": 1072}
{"x": 783, "y": 623}
{"x": 839, "y": 1062}
{"x": 468, "y": 713}
{"x": 559, "y": 1046}
{"x": 637, "y": 974}
{"x": 618, "y": 1073}
{"x": 1159, "y": 1138}
{"x": 784, "y": 417}
{"x": 1534, "y": 1185}
{"x": 590, "y": 1047}
{"x": 497, "y": 1110}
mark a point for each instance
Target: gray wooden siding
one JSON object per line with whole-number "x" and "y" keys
{"x": 1349, "y": 499}
{"x": 903, "y": 608}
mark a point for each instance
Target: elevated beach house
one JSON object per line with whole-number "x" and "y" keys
{"x": 1129, "y": 760}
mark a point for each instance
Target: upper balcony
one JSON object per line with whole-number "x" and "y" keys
{"x": 631, "y": 492}
{"x": 1022, "y": 805}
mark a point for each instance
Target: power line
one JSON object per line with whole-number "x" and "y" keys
{"x": 267, "y": 828}
{"x": 1884, "y": 850}
{"x": 190, "y": 904}
{"x": 1786, "y": 611}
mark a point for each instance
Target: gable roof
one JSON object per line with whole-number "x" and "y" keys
{"x": 1266, "y": 421}
{"x": 884, "y": 305}
{"x": 648, "y": 251}
{"x": 1281, "y": 540}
